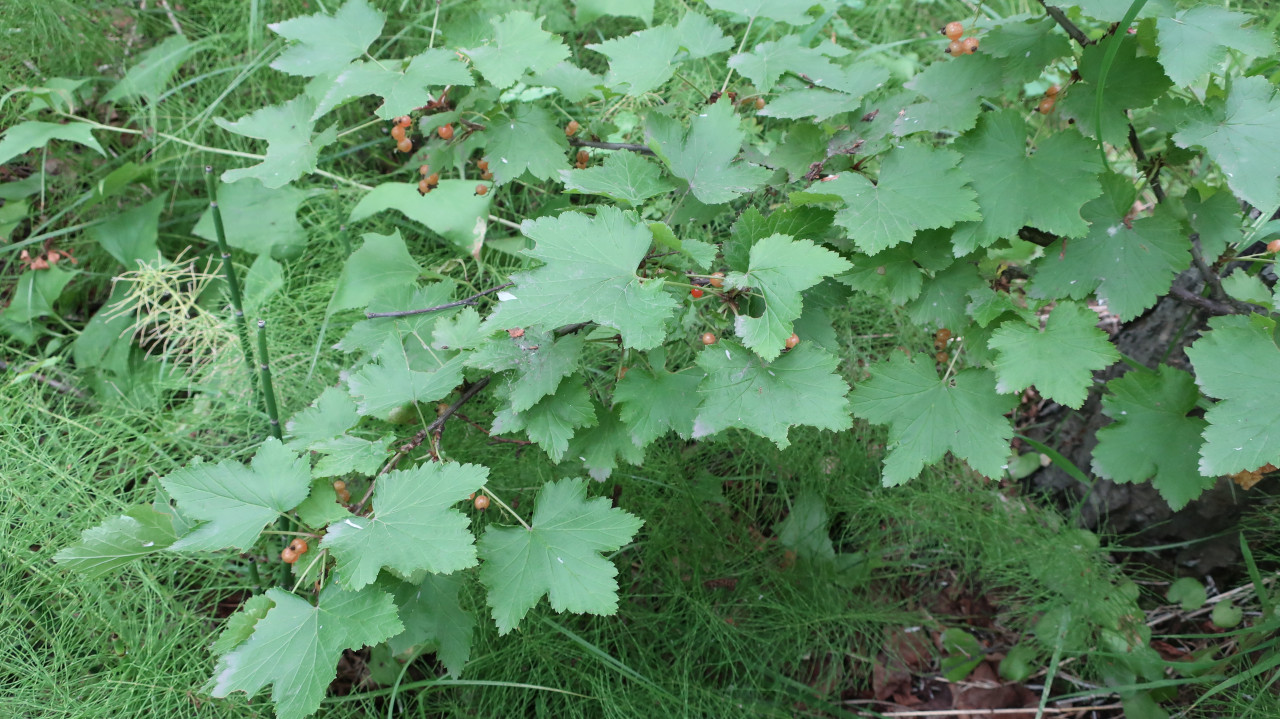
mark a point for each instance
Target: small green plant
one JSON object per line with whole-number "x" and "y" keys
{"x": 1042, "y": 170}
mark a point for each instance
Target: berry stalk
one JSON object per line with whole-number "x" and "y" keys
{"x": 268, "y": 390}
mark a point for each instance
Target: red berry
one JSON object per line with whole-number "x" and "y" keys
{"x": 708, "y": 338}
{"x": 793, "y": 340}
{"x": 481, "y": 503}
{"x": 695, "y": 293}
{"x": 572, "y": 128}
{"x": 953, "y": 30}
{"x": 445, "y": 132}
{"x": 299, "y": 545}
{"x": 405, "y": 145}
{"x": 482, "y": 189}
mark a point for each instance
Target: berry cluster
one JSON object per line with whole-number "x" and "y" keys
{"x": 940, "y": 340}
{"x": 296, "y": 548}
{"x": 399, "y": 133}
{"x": 572, "y": 128}
{"x": 583, "y": 157}
{"x": 429, "y": 180}
{"x": 49, "y": 259}
{"x": 340, "y": 487}
{"x": 1047, "y": 102}
{"x": 954, "y": 31}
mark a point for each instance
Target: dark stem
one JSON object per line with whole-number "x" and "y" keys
{"x": 1204, "y": 303}
{"x": 468, "y": 301}
{"x": 268, "y": 390}
{"x": 233, "y": 283}
{"x": 630, "y": 146}
{"x": 432, "y": 430}
{"x": 1148, "y": 168}
{"x": 1060, "y": 17}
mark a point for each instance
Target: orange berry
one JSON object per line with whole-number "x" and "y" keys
{"x": 1273, "y": 246}
{"x": 583, "y": 157}
{"x": 708, "y": 338}
{"x": 970, "y": 45}
{"x": 405, "y": 145}
{"x": 759, "y": 103}
{"x": 424, "y": 170}
{"x": 717, "y": 279}
{"x": 941, "y": 357}
{"x": 482, "y": 189}
{"x": 623, "y": 372}
{"x": 953, "y": 30}
{"x": 423, "y": 187}
{"x": 397, "y": 133}
{"x": 572, "y": 128}
{"x": 1052, "y": 91}
{"x": 299, "y": 546}
{"x": 793, "y": 340}
{"x": 481, "y": 503}
{"x": 404, "y": 121}
{"x": 955, "y": 48}
{"x": 445, "y": 132}
{"x": 339, "y": 485}
{"x": 1046, "y": 106}
{"x": 482, "y": 165}
{"x": 289, "y": 555}
{"x": 487, "y": 176}
{"x": 433, "y": 179}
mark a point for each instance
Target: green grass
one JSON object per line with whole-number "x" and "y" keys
{"x": 714, "y": 620}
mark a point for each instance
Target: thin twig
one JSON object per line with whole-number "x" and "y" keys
{"x": 416, "y": 441}
{"x": 629, "y": 146}
{"x": 1204, "y": 303}
{"x": 1149, "y": 169}
{"x": 1215, "y": 282}
{"x": 62, "y": 387}
{"x": 1074, "y": 32}
{"x": 448, "y": 305}
{"x": 505, "y": 223}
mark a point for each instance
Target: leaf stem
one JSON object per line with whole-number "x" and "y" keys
{"x": 505, "y": 508}
{"x": 745, "y": 34}
{"x": 1113, "y": 47}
